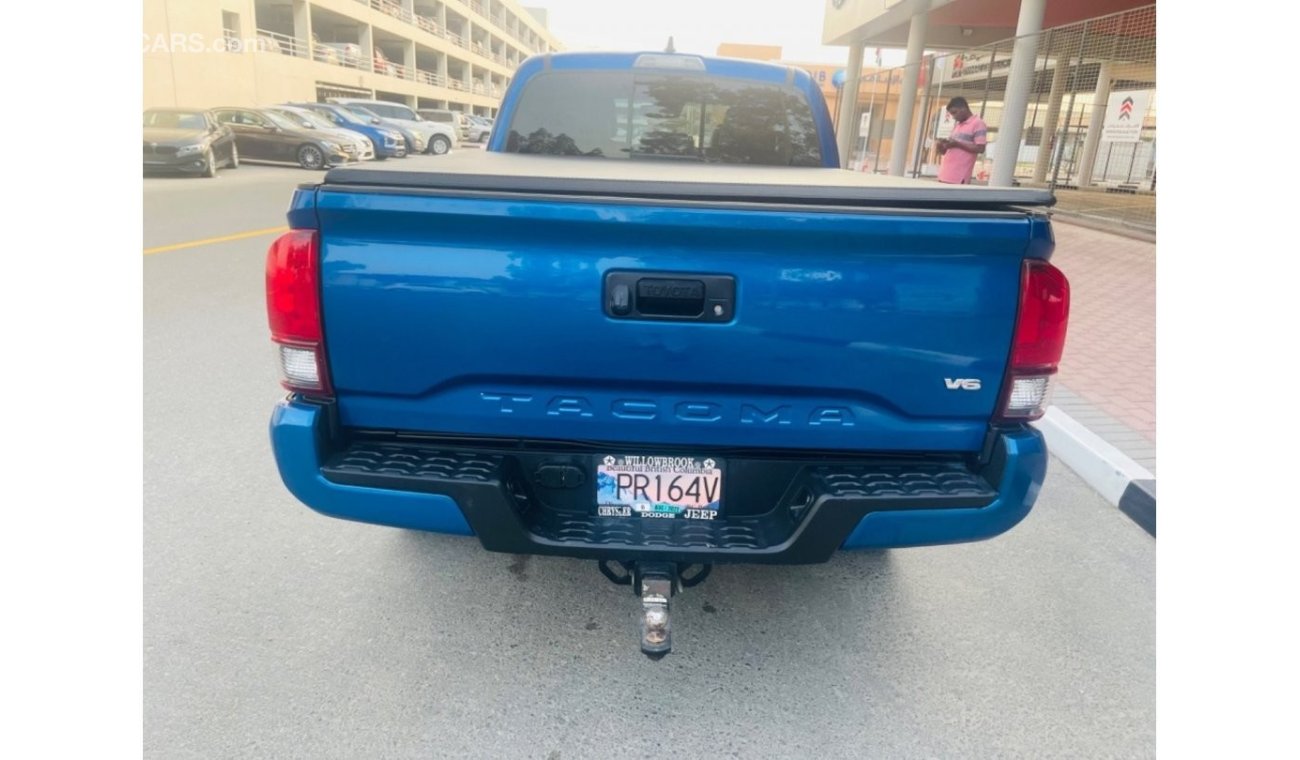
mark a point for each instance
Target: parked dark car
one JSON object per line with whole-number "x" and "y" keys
{"x": 187, "y": 140}
{"x": 263, "y": 135}
{"x": 389, "y": 142}
{"x": 357, "y": 146}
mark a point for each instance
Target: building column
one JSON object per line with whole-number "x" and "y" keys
{"x": 901, "y": 138}
{"x": 1020, "y": 80}
{"x": 367, "y": 43}
{"x": 1047, "y": 145}
{"x": 1095, "y": 122}
{"x": 846, "y": 131}
{"x": 302, "y": 27}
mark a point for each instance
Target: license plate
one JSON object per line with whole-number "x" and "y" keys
{"x": 658, "y": 487}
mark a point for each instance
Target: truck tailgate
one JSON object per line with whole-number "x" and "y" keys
{"x": 478, "y": 313}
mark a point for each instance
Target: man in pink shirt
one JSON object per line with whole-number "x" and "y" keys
{"x": 968, "y": 139}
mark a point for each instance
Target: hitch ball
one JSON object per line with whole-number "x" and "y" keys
{"x": 656, "y": 626}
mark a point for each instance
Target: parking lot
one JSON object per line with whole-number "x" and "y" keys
{"x": 271, "y": 631}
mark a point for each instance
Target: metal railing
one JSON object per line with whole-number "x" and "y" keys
{"x": 430, "y": 25}
{"x": 351, "y": 57}
{"x": 388, "y": 68}
{"x": 429, "y": 77}
{"x": 321, "y": 52}
{"x": 273, "y": 42}
{"x": 395, "y": 10}
{"x": 281, "y": 44}
{"x": 502, "y": 22}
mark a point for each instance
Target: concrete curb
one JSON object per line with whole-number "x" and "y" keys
{"x": 1121, "y": 481}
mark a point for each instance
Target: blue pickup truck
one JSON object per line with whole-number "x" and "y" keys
{"x": 654, "y": 325}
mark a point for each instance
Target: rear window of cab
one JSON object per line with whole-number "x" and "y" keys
{"x": 693, "y": 117}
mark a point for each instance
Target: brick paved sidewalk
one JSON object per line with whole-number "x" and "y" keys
{"x": 1108, "y": 372}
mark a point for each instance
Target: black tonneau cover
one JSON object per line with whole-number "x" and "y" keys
{"x": 562, "y": 175}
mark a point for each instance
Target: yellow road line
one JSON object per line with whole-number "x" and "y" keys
{"x": 211, "y": 240}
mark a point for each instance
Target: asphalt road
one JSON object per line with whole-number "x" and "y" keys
{"x": 273, "y": 632}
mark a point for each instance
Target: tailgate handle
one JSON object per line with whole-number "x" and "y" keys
{"x": 669, "y": 296}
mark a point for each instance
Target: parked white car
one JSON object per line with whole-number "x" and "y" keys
{"x": 451, "y": 118}
{"x": 479, "y": 128}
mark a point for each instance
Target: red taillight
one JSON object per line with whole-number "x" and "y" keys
{"x": 1039, "y": 340}
{"x": 1044, "y": 312}
{"x": 293, "y": 311}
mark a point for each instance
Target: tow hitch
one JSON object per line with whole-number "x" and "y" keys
{"x": 655, "y": 583}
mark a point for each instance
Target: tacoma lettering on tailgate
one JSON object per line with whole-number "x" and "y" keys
{"x": 579, "y": 407}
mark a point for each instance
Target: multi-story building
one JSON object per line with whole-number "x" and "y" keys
{"x": 457, "y": 54}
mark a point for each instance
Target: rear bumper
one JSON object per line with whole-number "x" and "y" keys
{"x": 828, "y": 506}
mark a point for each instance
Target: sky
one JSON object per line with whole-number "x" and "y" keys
{"x": 697, "y": 26}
